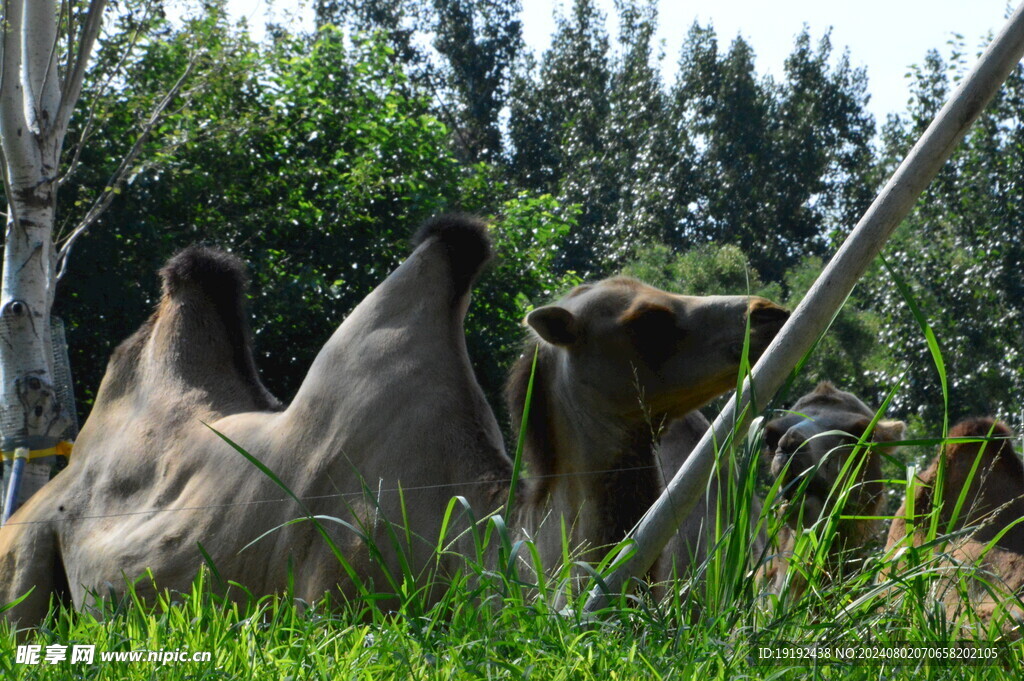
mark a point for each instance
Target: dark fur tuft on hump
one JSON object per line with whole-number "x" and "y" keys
{"x": 220, "y": 274}
{"x": 222, "y": 279}
{"x": 999, "y": 449}
{"x": 467, "y": 243}
{"x": 981, "y": 427}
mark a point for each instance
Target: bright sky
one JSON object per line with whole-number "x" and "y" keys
{"x": 886, "y": 36}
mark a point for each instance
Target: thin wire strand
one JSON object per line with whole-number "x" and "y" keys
{"x": 390, "y": 490}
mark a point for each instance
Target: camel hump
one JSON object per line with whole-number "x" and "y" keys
{"x": 466, "y": 242}
{"x": 981, "y": 427}
{"x": 999, "y": 454}
{"x": 214, "y": 282}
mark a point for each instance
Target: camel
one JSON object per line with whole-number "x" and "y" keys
{"x": 988, "y": 522}
{"x": 617, "y": 362}
{"x": 390, "y": 402}
{"x": 690, "y": 545}
{"x": 809, "y": 448}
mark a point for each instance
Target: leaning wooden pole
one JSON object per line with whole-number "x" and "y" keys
{"x": 812, "y": 316}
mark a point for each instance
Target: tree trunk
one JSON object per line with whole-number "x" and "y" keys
{"x": 34, "y": 112}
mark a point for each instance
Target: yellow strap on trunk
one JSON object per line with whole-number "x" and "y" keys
{"x": 62, "y": 448}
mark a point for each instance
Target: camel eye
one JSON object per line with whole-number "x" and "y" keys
{"x": 775, "y": 430}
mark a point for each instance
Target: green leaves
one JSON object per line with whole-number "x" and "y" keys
{"x": 960, "y": 253}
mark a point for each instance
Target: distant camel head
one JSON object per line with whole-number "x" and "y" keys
{"x": 811, "y": 445}
{"x": 986, "y": 474}
{"x": 983, "y": 483}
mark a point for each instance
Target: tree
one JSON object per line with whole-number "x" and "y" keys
{"x": 398, "y": 21}
{"x": 556, "y": 128}
{"x": 476, "y": 42}
{"x": 480, "y": 41}
{"x": 783, "y": 167}
{"x": 649, "y": 152}
{"x": 961, "y": 253}
{"x": 45, "y": 49}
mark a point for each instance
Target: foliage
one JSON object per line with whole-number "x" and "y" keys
{"x": 849, "y": 353}
{"x": 961, "y": 251}
{"x": 783, "y": 166}
{"x": 710, "y": 269}
{"x": 556, "y": 123}
{"x": 480, "y": 41}
{"x": 468, "y": 72}
{"x": 527, "y": 239}
{"x": 313, "y": 161}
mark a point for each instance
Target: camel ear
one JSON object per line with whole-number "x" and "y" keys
{"x": 554, "y": 324}
{"x": 889, "y": 431}
{"x": 775, "y": 429}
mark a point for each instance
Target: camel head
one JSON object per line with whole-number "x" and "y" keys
{"x": 631, "y": 350}
{"x": 989, "y": 476}
{"x": 811, "y": 445}
{"x": 983, "y": 480}
{"x": 616, "y": 361}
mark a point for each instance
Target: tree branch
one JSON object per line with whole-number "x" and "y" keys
{"x": 69, "y": 51}
{"x": 3, "y": 41}
{"x": 51, "y": 62}
{"x": 17, "y": 148}
{"x": 11, "y": 209}
{"x": 12, "y": 213}
{"x": 117, "y": 179}
{"x": 28, "y": 93}
{"x": 90, "y": 117}
{"x": 73, "y": 84}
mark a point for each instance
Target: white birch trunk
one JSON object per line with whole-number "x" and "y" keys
{"x": 34, "y": 112}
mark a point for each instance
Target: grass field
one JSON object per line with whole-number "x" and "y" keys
{"x": 506, "y": 624}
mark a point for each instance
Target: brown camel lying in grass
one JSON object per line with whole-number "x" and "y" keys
{"x": 982, "y": 503}
{"x": 811, "y": 449}
{"x": 617, "y": 362}
{"x": 391, "y": 401}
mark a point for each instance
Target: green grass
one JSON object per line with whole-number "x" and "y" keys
{"x": 491, "y": 633}
{"x": 497, "y": 620}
